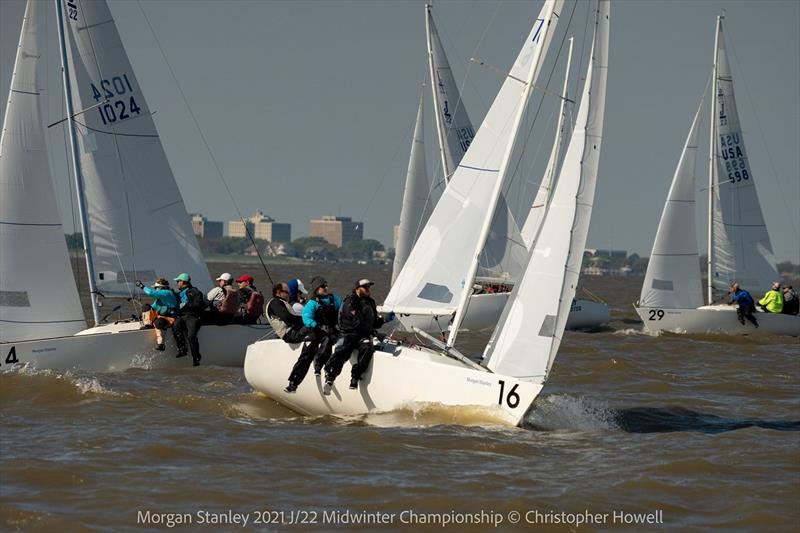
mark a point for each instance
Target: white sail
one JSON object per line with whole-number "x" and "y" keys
{"x": 537, "y": 210}
{"x": 529, "y": 332}
{"x": 673, "y": 274}
{"x": 137, "y": 220}
{"x": 452, "y": 122}
{"x": 740, "y": 245}
{"x": 438, "y": 268}
{"x": 416, "y": 197}
{"x": 38, "y": 297}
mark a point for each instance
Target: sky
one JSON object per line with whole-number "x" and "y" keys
{"x": 308, "y": 107}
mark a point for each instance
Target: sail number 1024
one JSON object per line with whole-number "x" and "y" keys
{"x": 117, "y": 87}
{"x": 512, "y": 398}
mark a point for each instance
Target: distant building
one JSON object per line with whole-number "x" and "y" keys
{"x": 261, "y": 227}
{"x": 611, "y": 253}
{"x": 204, "y": 228}
{"x": 337, "y": 230}
{"x": 396, "y": 236}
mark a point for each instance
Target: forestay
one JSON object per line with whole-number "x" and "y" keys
{"x": 740, "y": 245}
{"x": 138, "y": 224}
{"x": 439, "y": 265}
{"x": 528, "y": 335}
{"x": 38, "y": 297}
{"x": 416, "y": 197}
{"x": 673, "y": 280}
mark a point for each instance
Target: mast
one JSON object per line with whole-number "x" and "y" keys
{"x": 439, "y": 126}
{"x": 76, "y": 166}
{"x": 487, "y": 221}
{"x": 711, "y": 166}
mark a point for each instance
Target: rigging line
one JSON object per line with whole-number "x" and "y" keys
{"x": 751, "y": 102}
{"x": 205, "y": 141}
{"x": 131, "y": 293}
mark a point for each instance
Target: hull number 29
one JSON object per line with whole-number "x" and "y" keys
{"x": 656, "y": 314}
{"x": 512, "y": 398}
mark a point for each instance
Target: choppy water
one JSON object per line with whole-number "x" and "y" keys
{"x": 704, "y": 429}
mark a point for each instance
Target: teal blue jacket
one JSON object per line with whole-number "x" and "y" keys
{"x": 165, "y": 304}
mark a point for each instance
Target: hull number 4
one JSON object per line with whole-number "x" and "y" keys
{"x": 11, "y": 358}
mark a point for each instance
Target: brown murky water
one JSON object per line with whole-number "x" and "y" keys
{"x": 703, "y": 431}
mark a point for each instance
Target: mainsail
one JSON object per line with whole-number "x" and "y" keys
{"x": 528, "y": 335}
{"x": 739, "y": 247}
{"x": 416, "y": 197}
{"x": 38, "y": 297}
{"x": 138, "y": 224}
{"x": 673, "y": 274}
{"x": 444, "y": 260}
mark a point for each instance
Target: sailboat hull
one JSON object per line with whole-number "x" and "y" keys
{"x": 117, "y": 347}
{"x": 400, "y": 377}
{"x": 484, "y": 311}
{"x": 716, "y": 319}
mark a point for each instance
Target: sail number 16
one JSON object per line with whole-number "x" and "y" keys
{"x": 512, "y": 398}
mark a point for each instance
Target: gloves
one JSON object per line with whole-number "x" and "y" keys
{"x": 389, "y": 317}
{"x": 139, "y": 284}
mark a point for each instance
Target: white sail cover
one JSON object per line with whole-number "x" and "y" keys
{"x": 453, "y": 124}
{"x": 673, "y": 280}
{"x": 38, "y": 298}
{"x": 528, "y": 335}
{"x": 436, "y": 270}
{"x": 416, "y": 197}
{"x": 137, "y": 220}
{"x": 741, "y": 249}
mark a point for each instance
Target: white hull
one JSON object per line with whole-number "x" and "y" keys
{"x": 716, "y": 319}
{"x": 399, "y": 377}
{"x": 117, "y": 347}
{"x": 484, "y": 311}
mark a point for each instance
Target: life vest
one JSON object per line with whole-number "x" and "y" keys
{"x": 279, "y": 326}
{"x": 255, "y": 305}
{"x": 326, "y": 313}
{"x": 230, "y": 302}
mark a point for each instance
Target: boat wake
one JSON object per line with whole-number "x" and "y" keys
{"x": 52, "y": 380}
{"x": 564, "y": 412}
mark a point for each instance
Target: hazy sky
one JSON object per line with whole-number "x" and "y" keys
{"x": 309, "y": 106}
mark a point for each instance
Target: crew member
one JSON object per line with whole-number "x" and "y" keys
{"x": 161, "y": 313}
{"x": 320, "y": 315}
{"x": 251, "y": 301}
{"x": 772, "y": 301}
{"x": 358, "y": 319}
{"x": 791, "y": 304}
{"x": 223, "y": 301}
{"x": 746, "y": 304}
{"x": 297, "y": 296}
{"x": 289, "y": 327}
{"x": 191, "y": 303}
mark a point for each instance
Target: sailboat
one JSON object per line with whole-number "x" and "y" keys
{"x": 739, "y": 247}
{"x": 454, "y": 135}
{"x": 518, "y": 359}
{"x": 133, "y": 220}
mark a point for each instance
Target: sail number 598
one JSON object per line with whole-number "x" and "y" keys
{"x": 512, "y": 398}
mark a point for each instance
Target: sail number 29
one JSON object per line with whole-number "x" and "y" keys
{"x": 512, "y": 398}
{"x": 117, "y": 87}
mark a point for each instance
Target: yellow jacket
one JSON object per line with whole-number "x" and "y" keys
{"x": 773, "y": 301}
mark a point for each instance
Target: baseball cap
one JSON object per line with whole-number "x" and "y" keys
{"x": 184, "y": 277}
{"x": 244, "y": 277}
{"x": 225, "y": 277}
{"x": 364, "y": 283}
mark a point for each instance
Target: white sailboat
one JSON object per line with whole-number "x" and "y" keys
{"x": 455, "y": 134}
{"x": 402, "y": 375}
{"x": 739, "y": 247}
{"x": 133, "y": 219}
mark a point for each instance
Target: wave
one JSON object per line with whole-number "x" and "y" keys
{"x": 564, "y": 412}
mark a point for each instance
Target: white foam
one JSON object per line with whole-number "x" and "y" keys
{"x": 561, "y": 411}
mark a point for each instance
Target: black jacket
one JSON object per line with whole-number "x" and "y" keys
{"x": 359, "y": 316}
{"x": 277, "y": 308}
{"x": 191, "y": 301}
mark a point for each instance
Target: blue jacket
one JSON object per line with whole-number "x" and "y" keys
{"x": 742, "y": 297}
{"x": 310, "y": 310}
{"x": 165, "y": 304}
